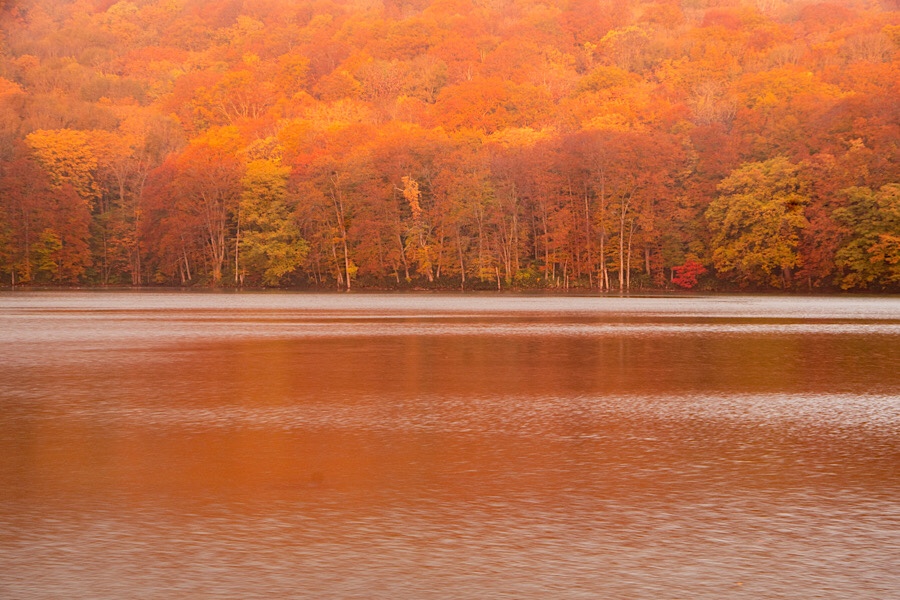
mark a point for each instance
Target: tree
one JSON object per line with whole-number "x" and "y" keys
{"x": 205, "y": 189}
{"x": 210, "y": 182}
{"x": 490, "y": 104}
{"x": 418, "y": 248}
{"x": 171, "y": 235}
{"x": 508, "y": 142}
{"x": 398, "y": 206}
{"x": 462, "y": 187}
{"x": 626, "y": 45}
{"x": 685, "y": 276}
{"x": 113, "y": 223}
{"x": 870, "y": 257}
{"x": 326, "y": 205}
{"x": 25, "y": 192}
{"x": 270, "y": 241}
{"x": 621, "y": 187}
{"x": 44, "y": 228}
{"x": 756, "y": 221}
{"x": 68, "y": 157}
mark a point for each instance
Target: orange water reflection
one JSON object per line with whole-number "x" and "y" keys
{"x": 487, "y": 455}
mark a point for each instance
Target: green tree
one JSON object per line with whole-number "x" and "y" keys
{"x": 46, "y": 253}
{"x": 871, "y": 255}
{"x": 756, "y": 221}
{"x": 270, "y": 243}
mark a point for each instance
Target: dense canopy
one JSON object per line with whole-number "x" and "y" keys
{"x": 589, "y": 144}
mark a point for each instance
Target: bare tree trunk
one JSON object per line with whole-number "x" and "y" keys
{"x": 187, "y": 266}
{"x": 346, "y": 261}
{"x": 340, "y": 274}
{"x": 237, "y": 248}
{"x": 546, "y": 242}
{"x": 338, "y": 203}
{"x": 480, "y": 244}
{"x": 136, "y": 277}
{"x": 462, "y": 265}
{"x": 623, "y": 212}
{"x": 604, "y": 272}
{"x": 622, "y": 251}
{"x": 403, "y": 257}
{"x": 440, "y": 261}
{"x": 588, "y": 238}
{"x": 27, "y": 256}
{"x": 628, "y": 263}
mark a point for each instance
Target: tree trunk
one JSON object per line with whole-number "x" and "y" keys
{"x": 623, "y": 212}
{"x": 403, "y": 257}
{"x": 628, "y": 261}
{"x": 340, "y": 274}
{"x": 346, "y": 261}
{"x": 462, "y": 265}
{"x": 338, "y": 204}
{"x": 237, "y": 248}
{"x": 588, "y": 238}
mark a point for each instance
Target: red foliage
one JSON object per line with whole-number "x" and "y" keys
{"x": 686, "y": 275}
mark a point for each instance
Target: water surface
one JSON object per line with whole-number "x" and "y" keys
{"x": 183, "y": 445}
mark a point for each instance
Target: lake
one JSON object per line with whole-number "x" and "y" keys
{"x": 269, "y": 445}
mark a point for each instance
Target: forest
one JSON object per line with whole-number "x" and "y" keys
{"x": 605, "y": 145}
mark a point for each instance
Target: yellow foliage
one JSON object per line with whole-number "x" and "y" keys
{"x": 412, "y": 194}
{"x": 227, "y": 138}
{"x": 608, "y": 122}
{"x": 69, "y": 158}
{"x": 520, "y": 137}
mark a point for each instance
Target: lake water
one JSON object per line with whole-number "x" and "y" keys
{"x": 191, "y": 445}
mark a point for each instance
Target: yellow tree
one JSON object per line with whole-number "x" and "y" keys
{"x": 69, "y": 158}
{"x": 270, "y": 241}
{"x": 418, "y": 249}
{"x": 756, "y": 222}
{"x": 870, "y": 258}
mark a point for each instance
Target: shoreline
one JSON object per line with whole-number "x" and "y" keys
{"x": 578, "y": 292}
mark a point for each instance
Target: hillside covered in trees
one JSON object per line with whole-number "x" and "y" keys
{"x": 565, "y": 144}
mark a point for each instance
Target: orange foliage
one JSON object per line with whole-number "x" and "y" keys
{"x": 433, "y": 142}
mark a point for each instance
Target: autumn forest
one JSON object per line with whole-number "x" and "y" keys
{"x": 606, "y": 145}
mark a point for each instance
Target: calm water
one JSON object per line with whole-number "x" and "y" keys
{"x": 176, "y": 445}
